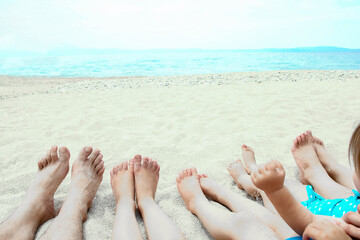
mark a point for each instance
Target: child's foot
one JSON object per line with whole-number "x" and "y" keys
{"x": 86, "y": 176}
{"x": 123, "y": 183}
{"x": 305, "y": 157}
{"x": 146, "y": 172}
{"x": 189, "y": 188}
{"x": 237, "y": 170}
{"x": 326, "y": 160}
{"x": 248, "y": 155}
{"x": 210, "y": 188}
{"x": 242, "y": 178}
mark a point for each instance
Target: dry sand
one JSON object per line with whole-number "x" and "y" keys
{"x": 181, "y": 121}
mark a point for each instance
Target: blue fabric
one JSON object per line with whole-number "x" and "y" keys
{"x": 330, "y": 207}
{"x": 295, "y": 238}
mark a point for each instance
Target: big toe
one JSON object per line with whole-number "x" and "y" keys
{"x": 137, "y": 162}
{"x": 64, "y": 154}
{"x": 85, "y": 153}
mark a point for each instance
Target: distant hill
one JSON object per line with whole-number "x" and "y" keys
{"x": 72, "y": 51}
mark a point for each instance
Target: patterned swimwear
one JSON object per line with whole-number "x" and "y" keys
{"x": 330, "y": 207}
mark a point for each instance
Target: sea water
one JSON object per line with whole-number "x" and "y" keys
{"x": 175, "y": 62}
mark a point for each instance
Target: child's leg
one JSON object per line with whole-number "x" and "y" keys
{"x": 340, "y": 173}
{"x": 313, "y": 172}
{"x": 221, "y": 224}
{"x": 237, "y": 203}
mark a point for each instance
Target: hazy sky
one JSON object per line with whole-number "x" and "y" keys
{"x": 41, "y": 25}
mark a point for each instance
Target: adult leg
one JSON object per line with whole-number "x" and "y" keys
{"x": 86, "y": 176}
{"x": 221, "y": 224}
{"x": 123, "y": 185}
{"x": 338, "y": 172}
{"x": 146, "y": 180}
{"x": 313, "y": 172}
{"x": 237, "y": 203}
{"x": 38, "y": 204}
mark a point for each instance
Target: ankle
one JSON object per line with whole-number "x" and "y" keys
{"x": 127, "y": 202}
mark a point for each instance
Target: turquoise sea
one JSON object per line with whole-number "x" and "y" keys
{"x": 175, "y": 62}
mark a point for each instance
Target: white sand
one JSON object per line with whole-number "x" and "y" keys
{"x": 181, "y": 121}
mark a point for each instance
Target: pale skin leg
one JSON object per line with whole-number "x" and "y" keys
{"x": 237, "y": 203}
{"x": 270, "y": 178}
{"x": 313, "y": 172}
{"x": 243, "y": 180}
{"x": 38, "y": 204}
{"x": 146, "y": 173}
{"x": 221, "y": 224}
{"x": 86, "y": 176}
{"x": 123, "y": 186}
{"x": 338, "y": 172}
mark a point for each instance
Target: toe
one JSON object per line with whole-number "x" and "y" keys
{"x": 64, "y": 154}
{"x": 120, "y": 166}
{"x": 99, "y": 167}
{"x": 131, "y": 165}
{"x": 146, "y": 161}
{"x": 137, "y": 162}
{"x": 182, "y": 174}
{"x": 114, "y": 170}
{"x": 178, "y": 179}
{"x": 188, "y": 172}
{"x": 194, "y": 171}
{"x": 47, "y": 158}
{"x": 101, "y": 171}
{"x": 94, "y": 155}
{"x": 154, "y": 166}
{"x": 97, "y": 160}
{"x": 53, "y": 154}
{"x": 40, "y": 164}
{"x": 125, "y": 165}
{"x": 84, "y": 153}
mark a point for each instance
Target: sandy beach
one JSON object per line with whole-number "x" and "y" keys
{"x": 181, "y": 121}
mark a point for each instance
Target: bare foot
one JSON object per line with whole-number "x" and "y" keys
{"x": 146, "y": 178}
{"x": 38, "y": 204}
{"x": 86, "y": 176}
{"x": 305, "y": 156}
{"x": 237, "y": 170}
{"x": 123, "y": 182}
{"x": 248, "y": 155}
{"x": 189, "y": 188}
{"x": 210, "y": 188}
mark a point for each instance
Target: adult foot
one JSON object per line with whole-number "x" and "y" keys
{"x": 305, "y": 156}
{"x": 146, "y": 172}
{"x": 38, "y": 204}
{"x": 123, "y": 182}
{"x": 248, "y": 155}
{"x": 189, "y": 188}
{"x": 86, "y": 176}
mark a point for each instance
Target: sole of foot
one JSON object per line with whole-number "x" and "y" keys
{"x": 123, "y": 182}
{"x": 189, "y": 188}
{"x": 146, "y": 173}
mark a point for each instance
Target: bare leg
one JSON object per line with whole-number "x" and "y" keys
{"x": 237, "y": 203}
{"x": 38, "y": 204}
{"x": 123, "y": 185}
{"x": 313, "y": 172}
{"x": 86, "y": 176}
{"x": 146, "y": 180}
{"x": 221, "y": 224}
{"x": 243, "y": 180}
{"x": 338, "y": 172}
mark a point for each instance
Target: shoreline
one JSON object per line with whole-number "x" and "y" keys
{"x": 12, "y": 87}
